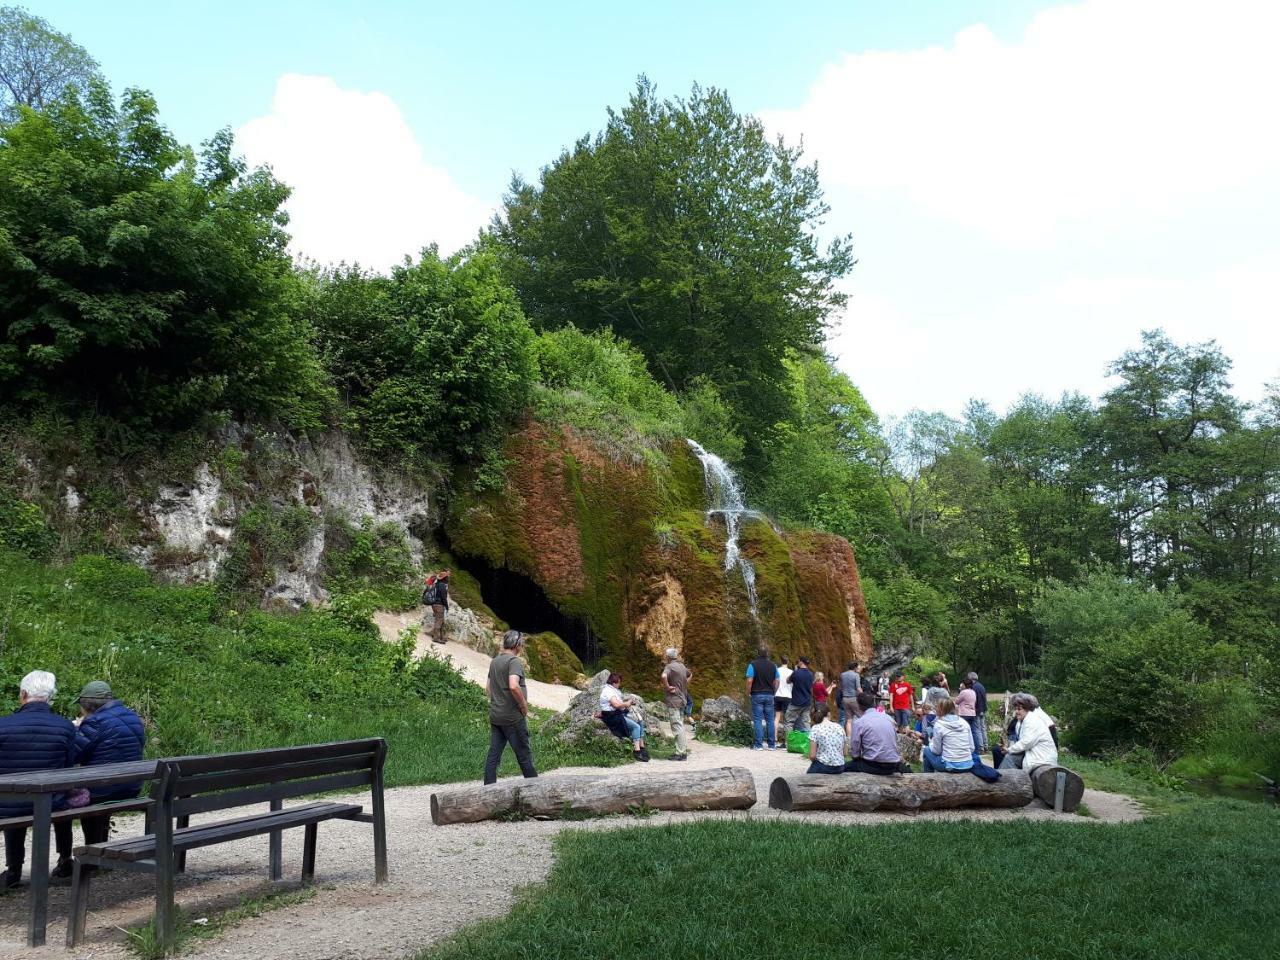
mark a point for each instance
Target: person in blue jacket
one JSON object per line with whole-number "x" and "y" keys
{"x": 109, "y": 733}
{"x": 33, "y": 737}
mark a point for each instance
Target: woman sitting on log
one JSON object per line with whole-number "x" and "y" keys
{"x": 951, "y": 749}
{"x": 613, "y": 711}
{"x": 827, "y": 743}
{"x": 1034, "y": 743}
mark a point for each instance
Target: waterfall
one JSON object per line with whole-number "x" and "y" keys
{"x": 724, "y": 499}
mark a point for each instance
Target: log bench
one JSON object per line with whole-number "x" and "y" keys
{"x": 199, "y": 785}
{"x": 718, "y": 788}
{"x": 911, "y": 792}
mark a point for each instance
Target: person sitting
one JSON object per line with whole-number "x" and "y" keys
{"x": 109, "y": 732}
{"x": 874, "y": 747}
{"x": 33, "y": 737}
{"x": 613, "y": 711}
{"x": 1033, "y": 742}
{"x": 827, "y": 743}
{"x": 951, "y": 749}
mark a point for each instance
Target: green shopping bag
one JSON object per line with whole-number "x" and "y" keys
{"x": 798, "y": 741}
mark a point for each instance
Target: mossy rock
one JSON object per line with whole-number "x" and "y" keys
{"x": 550, "y": 659}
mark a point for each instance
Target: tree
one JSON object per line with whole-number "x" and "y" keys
{"x": 37, "y": 63}
{"x": 144, "y": 282}
{"x": 683, "y": 228}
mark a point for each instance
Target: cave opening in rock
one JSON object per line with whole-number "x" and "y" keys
{"x": 526, "y": 607}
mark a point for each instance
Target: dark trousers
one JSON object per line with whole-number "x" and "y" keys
{"x": 15, "y": 839}
{"x": 516, "y": 734}
{"x": 878, "y": 767}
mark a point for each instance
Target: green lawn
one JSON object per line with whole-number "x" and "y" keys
{"x": 1196, "y": 882}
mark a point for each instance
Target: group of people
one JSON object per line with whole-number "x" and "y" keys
{"x": 509, "y": 708}
{"x": 34, "y": 737}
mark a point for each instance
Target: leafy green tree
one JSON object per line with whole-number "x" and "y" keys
{"x": 685, "y": 230}
{"x": 435, "y": 360}
{"x": 142, "y": 281}
{"x": 37, "y": 63}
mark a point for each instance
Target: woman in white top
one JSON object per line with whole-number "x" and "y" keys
{"x": 782, "y": 699}
{"x": 1033, "y": 744}
{"x": 613, "y": 711}
{"x": 951, "y": 748}
{"x": 828, "y": 743}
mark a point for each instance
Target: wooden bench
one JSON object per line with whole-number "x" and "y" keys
{"x": 199, "y": 785}
{"x": 75, "y": 813}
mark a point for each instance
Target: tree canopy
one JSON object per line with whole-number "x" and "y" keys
{"x": 37, "y": 63}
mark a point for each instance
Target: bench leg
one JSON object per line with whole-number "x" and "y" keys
{"x": 180, "y": 858}
{"x": 275, "y": 855}
{"x": 42, "y": 811}
{"x": 309, "y": 852}
{"x": 80, "y": 877}
{"x": 166, "y": 917}
{"x": 379, "y": 836}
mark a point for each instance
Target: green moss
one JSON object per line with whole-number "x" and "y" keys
{"x": 550, "y": 659}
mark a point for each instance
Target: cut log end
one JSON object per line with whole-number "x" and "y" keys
{"x": 780, "y": 794}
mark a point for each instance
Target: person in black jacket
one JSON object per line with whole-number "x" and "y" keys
{"x": 109, "y": 733}
{"x": 436, "y": 596}
{"x": 33, "y": 737}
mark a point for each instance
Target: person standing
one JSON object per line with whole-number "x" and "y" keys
{"x": 967, "y": 708}
{"x": 801, "y": 696}
{"x": 436, "y": 596}
{"x": 980, "y": 726}
{"x": 33, "y": 737}
{"x": 109, "y": 732}
{"x": 675, "y": 681}
{"x": 783, "y": 698}
{"x": 762, "y": 685}
{"x": 901, "y": 697}
{"x": 508, "y": 708}
{"x": 820, "y": 694}
{"x": 850, "y": 687}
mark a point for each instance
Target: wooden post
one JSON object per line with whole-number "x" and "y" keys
{"x": 275, "y": 846}
{"x": 379, "y": 816}
{"x": 42, "y": 811}
{"x": 80, "y": 877}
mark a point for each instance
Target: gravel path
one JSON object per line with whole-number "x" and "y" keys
{"x": 442, "y": 878}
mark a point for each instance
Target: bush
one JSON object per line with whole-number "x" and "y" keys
{"x": 23, "y": 527}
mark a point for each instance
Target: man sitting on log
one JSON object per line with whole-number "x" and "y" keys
{"x": 874, "y": 747}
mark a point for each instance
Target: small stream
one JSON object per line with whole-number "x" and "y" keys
{"x": 1211, "y": 788}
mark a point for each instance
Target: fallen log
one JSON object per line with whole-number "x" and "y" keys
{"x": 907, "y": 793}
{"x": 718, "y": 788}
{"x": 1044, "y": 784}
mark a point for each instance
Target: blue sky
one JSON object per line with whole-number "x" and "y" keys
{"x": 1028, "y": 184}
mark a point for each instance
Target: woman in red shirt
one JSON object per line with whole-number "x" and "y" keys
{"x": 819, "y": 695}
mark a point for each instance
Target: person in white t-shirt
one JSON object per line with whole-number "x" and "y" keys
{"x": 782, "y": 699}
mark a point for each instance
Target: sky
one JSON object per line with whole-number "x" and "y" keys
{"x": 1028, "y": 185}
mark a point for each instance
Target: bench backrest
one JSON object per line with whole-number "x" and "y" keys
{"x": 188, "y": 785}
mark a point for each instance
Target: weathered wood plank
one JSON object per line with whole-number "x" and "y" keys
{"x": 718, "y": 788}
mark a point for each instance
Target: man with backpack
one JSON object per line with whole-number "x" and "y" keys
{"x": 436, "y": 596}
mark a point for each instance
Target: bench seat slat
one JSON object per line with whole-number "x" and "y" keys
{"x": 221, "y": 762}
{"x": 278, "y": 773}
{"x": 207, "y": 834}
{"x": 75, "y": 813}
{"x": 279, "y": 791}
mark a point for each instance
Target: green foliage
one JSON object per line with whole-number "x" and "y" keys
{"x": 266, "y": 538}
{"x": 684, "y": 229}
{"x": 1209, "y": 859}
{"x": 435, "y": 360}
{"x": 23, "y": 527}
{"x": 146, "y": 944}
{"x": 371, "y": 558}
{"x": 37, "y": 63}
{"x": 551, "y": 660}
{"x": 137, "y": 279}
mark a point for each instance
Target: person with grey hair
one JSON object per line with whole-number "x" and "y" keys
{"x": 33, "y": 737}
{"x": 1032, "y": 743}
{"x": 508, "y": 708}
{"x": 675, "y": 682}
{"x": 980, "y": 724}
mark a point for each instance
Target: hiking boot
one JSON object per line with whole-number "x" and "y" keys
{"x": 645, "y": 751}
{"x": 60, "y": 875}
{"x": 11, "y": 879}
{"x": 639, "y": 756}
{"x": 678, "y": 756}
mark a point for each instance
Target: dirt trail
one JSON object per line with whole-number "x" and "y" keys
{"x": 473, "y": 664}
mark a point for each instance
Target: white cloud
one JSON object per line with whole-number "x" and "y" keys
{"x": 361, "y": 188}
{"x": 1024, "y": 207}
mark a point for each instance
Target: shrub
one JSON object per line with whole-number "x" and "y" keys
{"x": 23, "y": 527}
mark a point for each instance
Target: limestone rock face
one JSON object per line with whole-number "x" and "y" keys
{"x": 625, "y": 544}
{"x": 719, "y": 714}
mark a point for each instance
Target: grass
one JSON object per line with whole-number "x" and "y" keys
{"x": 209, "y": 678}
{"x": 1194, "y": 879}
{"x": 188, "y": 930}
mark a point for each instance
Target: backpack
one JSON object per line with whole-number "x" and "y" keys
{"x": 431, "y": 595}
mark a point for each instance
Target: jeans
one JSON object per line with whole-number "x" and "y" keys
{"x": 516, "y": 734}
{"x": 902, "y": 717}
{"x": 677, "y": 730}
{"x": 798, "y": 717}
{"x": 935, "y": 764}
{"x": 634, "y": 730}
{"x": 980, "y": 732}
{"x": 1011, "y": 761}
{"x": 762, "y": 718}
{"x": 816, "y": 767}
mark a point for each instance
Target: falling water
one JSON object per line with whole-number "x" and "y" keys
{"x": 724, "y": 498}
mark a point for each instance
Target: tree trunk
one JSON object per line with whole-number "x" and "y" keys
{"x": 1044, "y": 784}
{"x": 908, "y": 793}
{"x": 719, "y": 788}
